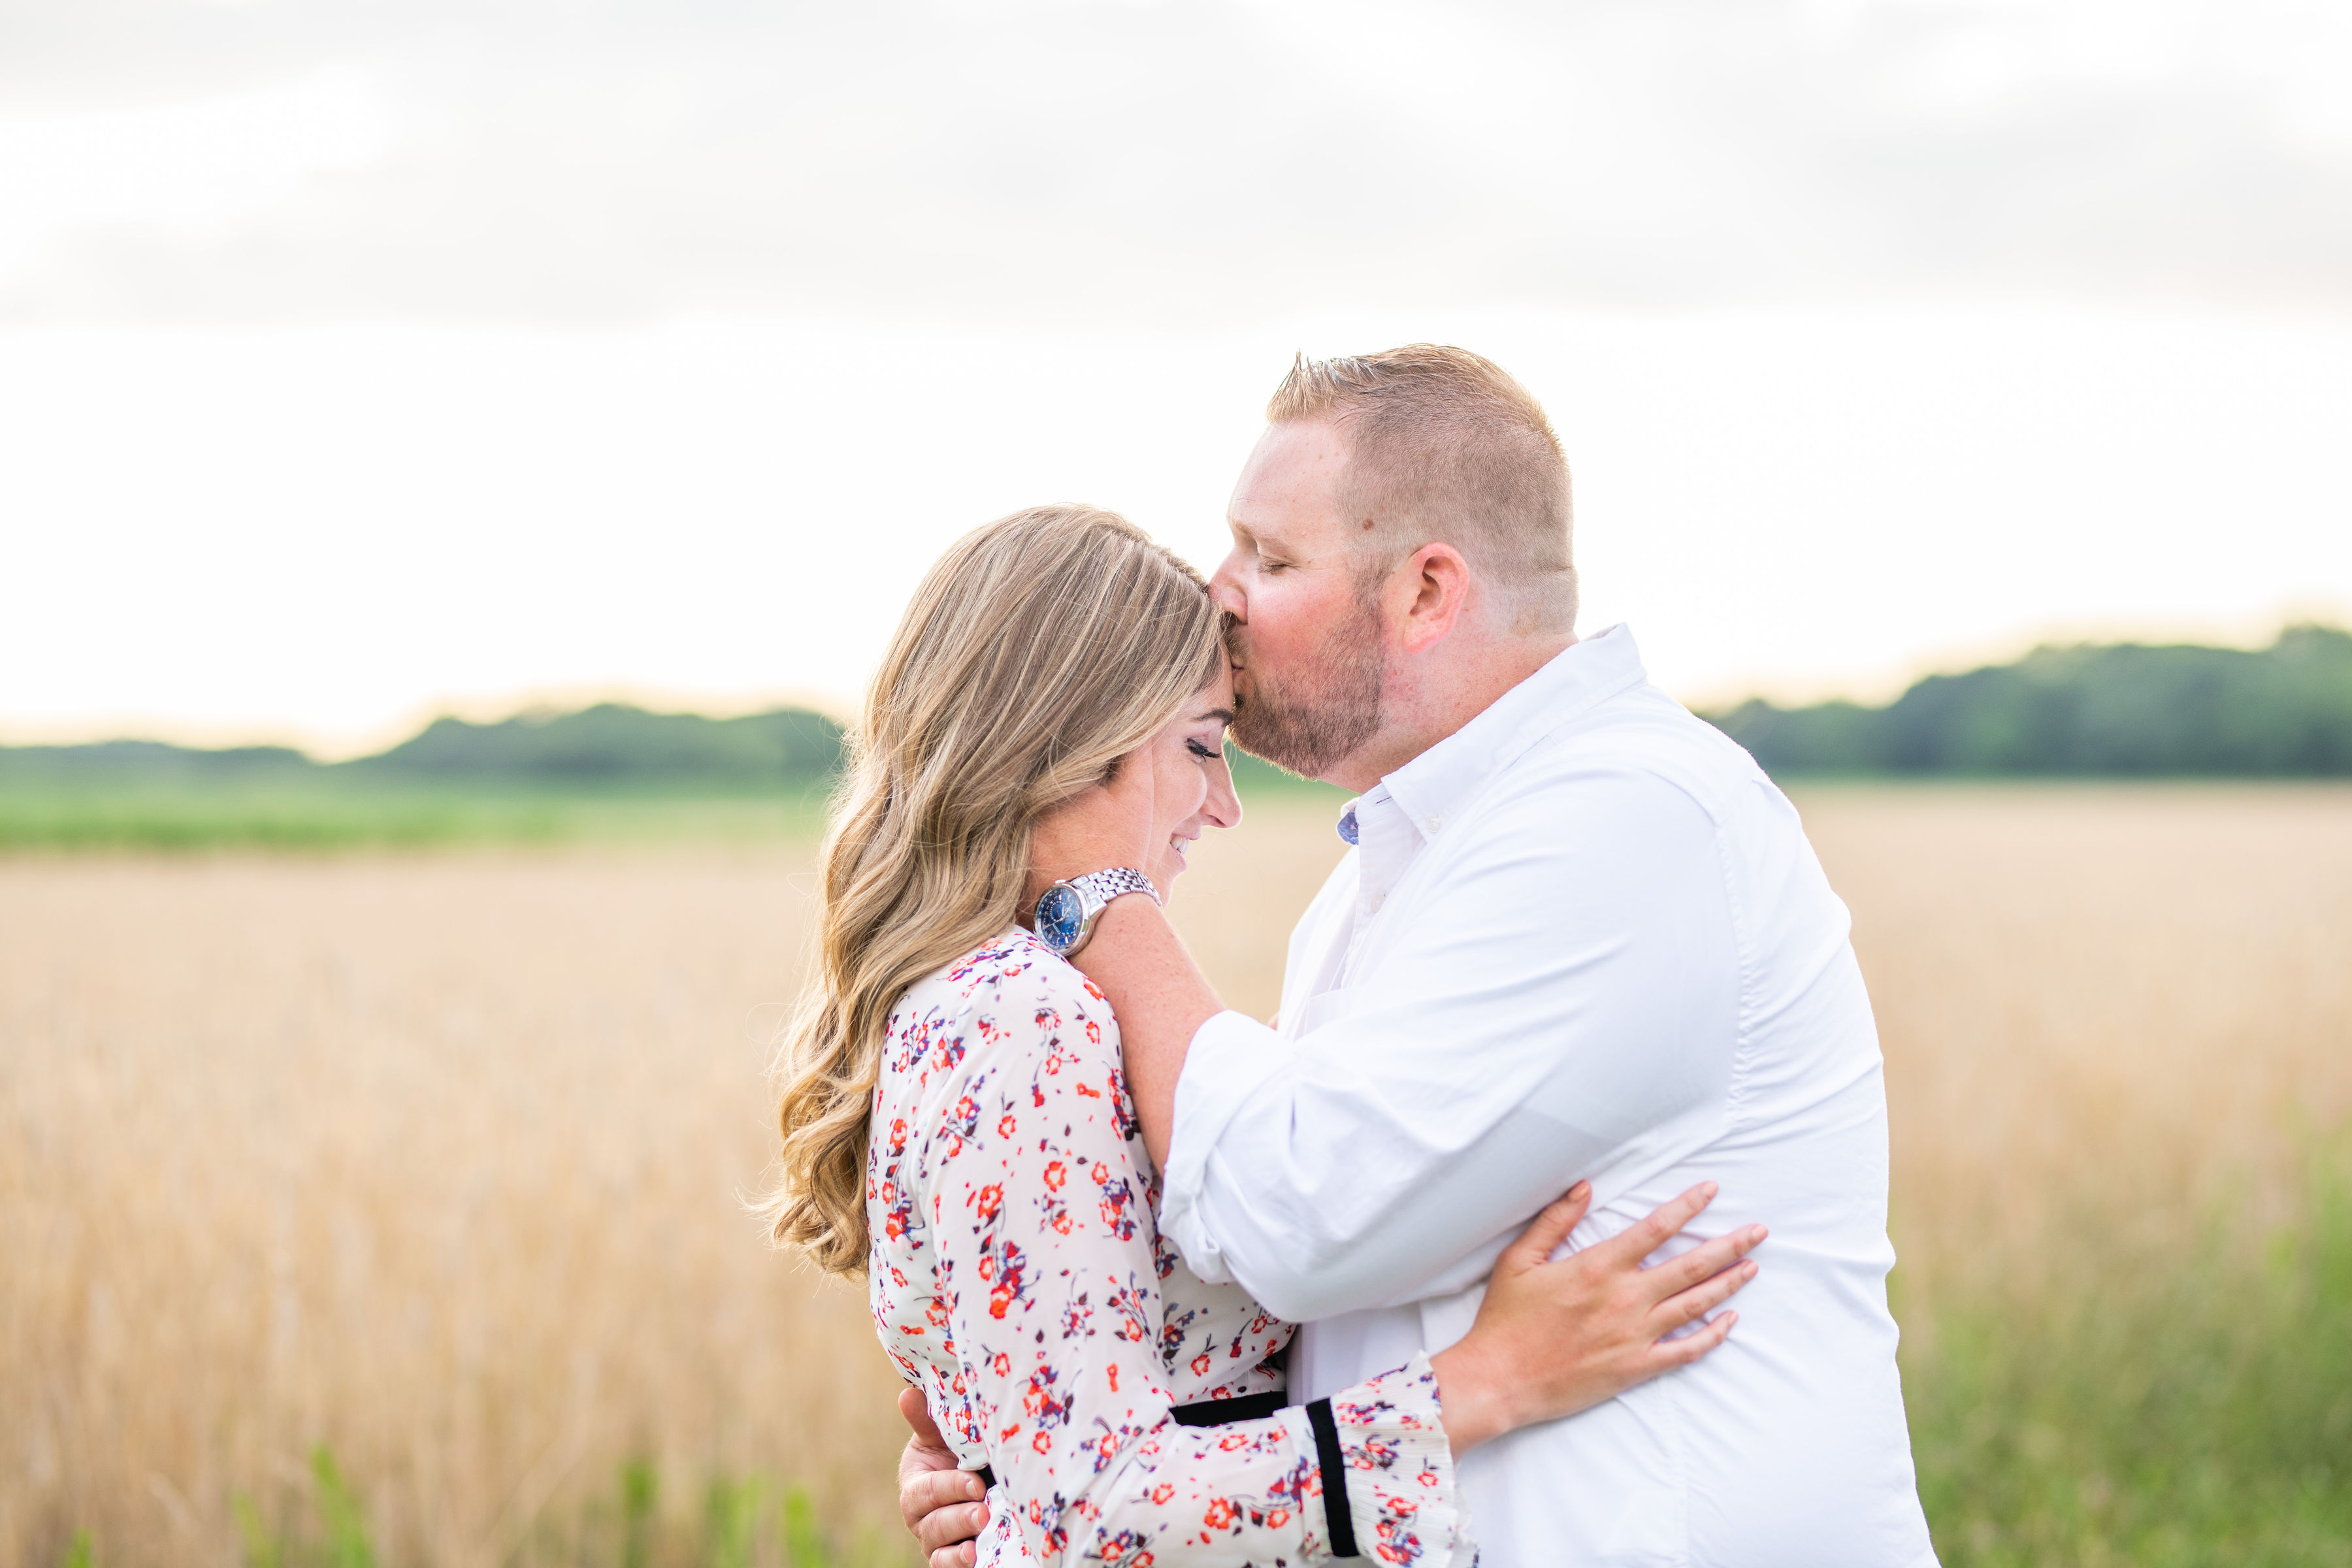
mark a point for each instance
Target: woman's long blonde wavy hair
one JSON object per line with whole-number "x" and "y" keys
{"x": 1041, "y": 648}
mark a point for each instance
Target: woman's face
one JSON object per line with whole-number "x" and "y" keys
{"x": 1192, "y": 789}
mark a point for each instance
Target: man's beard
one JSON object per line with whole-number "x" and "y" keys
{"x": 1309, "y": 730}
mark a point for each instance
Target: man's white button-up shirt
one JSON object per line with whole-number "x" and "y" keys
{"x": 1583, "y": 937}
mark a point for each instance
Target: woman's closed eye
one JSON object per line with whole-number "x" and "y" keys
{"x": 1206, "y": 753}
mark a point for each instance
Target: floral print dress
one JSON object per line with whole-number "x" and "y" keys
{"x": 1019, "y": 1279}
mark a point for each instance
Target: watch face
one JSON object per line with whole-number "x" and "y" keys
{"x": 1061, "y": 917}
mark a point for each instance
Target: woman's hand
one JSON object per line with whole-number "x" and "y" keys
{"x": 1550, "y": 1339}
{"x": 1554, "y": 1338}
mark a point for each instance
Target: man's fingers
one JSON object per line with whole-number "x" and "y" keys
{"x": 940, "y": 1487}
{"x": 1549, "y": 1229}
{"x": 1670, "y": 1354}
{"x": 924, "y": 1497}
{"x": 918, "y": 1416}
{"x": 1663, "y": 1224}
{"x": 963, "y": 1556}
{"x": 1703, "y": 1298}
{"x": 947, "y": 1526}
{"x": 1704, "y": 1261}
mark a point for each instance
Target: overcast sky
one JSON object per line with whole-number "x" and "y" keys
{"x": 362, "y": 359}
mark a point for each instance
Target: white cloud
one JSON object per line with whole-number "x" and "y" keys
{"x": 190, "y": 169}
{"x": 1174, "y": 166}
{"x": 329, "y": 531}
{"x": 457, "y": 349}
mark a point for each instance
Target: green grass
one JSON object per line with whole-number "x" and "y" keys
{"x": 1257, "y": 780}
{"x": 2159, "y": 1410}
{"x": 2170, "y": 1406}
{"x": 333, "y": 817}
{"x": 2164, "y": 1410}
{"x": 750, "y": 1522}
{"x": 335, "y": 812}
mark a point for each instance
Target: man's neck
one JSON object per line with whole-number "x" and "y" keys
{"x": 1444, "y": 695}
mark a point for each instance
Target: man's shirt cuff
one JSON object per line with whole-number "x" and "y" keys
{"x": 1231, "y": 1059}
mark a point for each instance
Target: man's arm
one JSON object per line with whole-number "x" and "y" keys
{"x": 1160, "y": 999}
{"x": 1569, "y": 988}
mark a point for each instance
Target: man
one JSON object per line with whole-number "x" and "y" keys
{"x": 1580, "y": 936}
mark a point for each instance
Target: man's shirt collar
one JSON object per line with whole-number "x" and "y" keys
{"x": 1438, "y": 782}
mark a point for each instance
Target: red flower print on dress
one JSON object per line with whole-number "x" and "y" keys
{"x": 1116, "y": 1201}
{"x": 1060, "y": 1366}
{"x": 1001, "y": 1269}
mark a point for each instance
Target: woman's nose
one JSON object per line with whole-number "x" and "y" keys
{"x": 1224, "y": 803}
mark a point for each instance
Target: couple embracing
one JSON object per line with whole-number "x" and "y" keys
{"x": 1433, "y": 1268}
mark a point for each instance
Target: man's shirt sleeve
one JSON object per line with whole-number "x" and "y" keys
{"x": 1567, "y": 985}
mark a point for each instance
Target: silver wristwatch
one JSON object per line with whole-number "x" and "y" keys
{"x": 1067, "y": 911}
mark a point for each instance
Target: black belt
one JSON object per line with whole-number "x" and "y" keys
{"x": 1256, "y": 1407}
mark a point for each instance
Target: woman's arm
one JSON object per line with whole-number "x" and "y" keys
{"x": 1557, "y": 1336}
{"x": 1551, "y": 1338}
{"x": 1049, "y": 1280}
{"x": 1076, "y": 1420}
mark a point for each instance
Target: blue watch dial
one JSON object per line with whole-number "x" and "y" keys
{"x": 1061, "y": 917}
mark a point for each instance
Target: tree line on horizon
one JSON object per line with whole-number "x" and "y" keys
{"x": 609, "y": 744}
{"x": 2114, "y": 710}
{"x": 2089, "y": 711}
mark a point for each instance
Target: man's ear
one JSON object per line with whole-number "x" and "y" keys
{"x": 1439, "y": 581}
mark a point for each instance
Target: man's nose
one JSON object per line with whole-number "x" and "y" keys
{"x": 1225, "y": 588}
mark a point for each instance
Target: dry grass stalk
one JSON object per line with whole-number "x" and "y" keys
{"x": 436, "y": 1159}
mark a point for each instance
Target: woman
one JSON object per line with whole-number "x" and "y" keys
{"x": 956, "y": 1123}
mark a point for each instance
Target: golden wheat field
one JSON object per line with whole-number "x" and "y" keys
{"x": 436, "y": 1161}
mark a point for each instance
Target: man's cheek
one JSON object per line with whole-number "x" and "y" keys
{"x": 1269, "y": 624}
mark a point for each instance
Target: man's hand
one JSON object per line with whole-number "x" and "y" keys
{"x": 940, "y": 1502}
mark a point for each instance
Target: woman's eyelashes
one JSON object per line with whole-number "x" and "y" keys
{"x": 1199, "y": 749}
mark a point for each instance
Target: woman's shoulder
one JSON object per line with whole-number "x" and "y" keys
{"x": 1010, "y": 968}
{"x": 1009, "y": 996}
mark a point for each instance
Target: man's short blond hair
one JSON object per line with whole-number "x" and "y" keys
{"x": 1445, "y": 448}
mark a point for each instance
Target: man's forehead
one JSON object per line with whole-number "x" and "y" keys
{"x": 1290, "y": 529}
{"x": 1287, "y": 490}
{"x": 1297, "y": 452}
